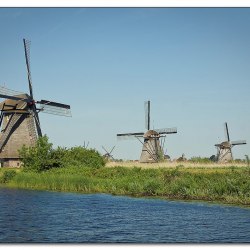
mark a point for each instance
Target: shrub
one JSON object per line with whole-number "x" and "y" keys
{"x": 7, "y": 176}
{"x": 80, "y": 156}
{"x": 43, "y": 157}
{"x": 37, "y": 158}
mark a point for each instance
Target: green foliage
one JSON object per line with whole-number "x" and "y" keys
{"x": 200, "y": 160}
{"x": 39, "y": 157}
{"x": 216, "y": 184}
{"x": 7, "y": 176}
{"x": 43, "y": 157}
{"x": 152, "y": 187}
{"x": 83, "y": 157}
{"x": 160, "y": 156}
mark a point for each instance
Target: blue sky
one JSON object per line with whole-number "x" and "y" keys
{"x": 193, "y": 64}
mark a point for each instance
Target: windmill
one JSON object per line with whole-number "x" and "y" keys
{"x": 19, "y": 120}
{"x": 224, "y": 149}
{"x": 85, "y": 145}
{"x": 153, "y": 140}
{"x": 108, "y": 155}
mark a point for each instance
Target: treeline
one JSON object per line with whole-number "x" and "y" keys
{"x": 43, "y": 156}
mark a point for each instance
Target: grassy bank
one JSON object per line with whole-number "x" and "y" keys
{"x": 222, "y": 184}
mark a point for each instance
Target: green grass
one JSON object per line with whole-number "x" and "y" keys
{"x": 227, "y": 185}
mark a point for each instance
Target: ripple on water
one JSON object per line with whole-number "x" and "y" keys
{"x": 38, "y": 216}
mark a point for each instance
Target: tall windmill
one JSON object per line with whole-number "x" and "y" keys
{"x": 19, "y": 120}
{"x": 153, "y": 140}
{"x": 224, "y": 149}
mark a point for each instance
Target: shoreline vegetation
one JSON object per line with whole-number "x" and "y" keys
{"x": 84, "y": 170}
{"x": 229, "y": 185}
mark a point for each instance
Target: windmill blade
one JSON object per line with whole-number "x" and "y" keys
{"x": 26, "y": 44}
{"x": 1, "y": 118}
{"x": 129, "y": 135}
{"x": 37, "y": 121}
{"x": 105, "y": 150}
{"x": 226, "y": 132}
{"x": 162, "y": 141}
{"x": 54, "y": 108}
{"x": 240, "y": 142}
{"x": 166, "y": 130}
{"x": 16, "y": 98}
{"x": 9, "y": 92}
{"x": 147, "y": 114}
{"x": 54, "y": 104}
{"x": 112, "y": 150}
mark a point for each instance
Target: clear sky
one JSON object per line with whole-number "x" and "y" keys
{"x": 193, "y": 64}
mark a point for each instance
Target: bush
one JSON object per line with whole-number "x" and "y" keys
{"x": 43, "y": 157}
{"x": 80, "y": 156}
{"x": 7, "y": 176}
{"x": 39, "y": 157}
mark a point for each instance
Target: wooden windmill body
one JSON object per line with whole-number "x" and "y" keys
{"x": 152, "y": 149}
{"x": 224, "y": 149}
{"x": 19, "y": 120}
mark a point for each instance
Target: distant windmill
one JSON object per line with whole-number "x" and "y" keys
{"x": 19, "y": 119}
{"x": 85, "y": 145}
{"x": 224, "y": 149}
{"x": 108, "y": 155}
{"x": 152, "y": 149}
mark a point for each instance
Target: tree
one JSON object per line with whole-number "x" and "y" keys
{"x": 39, "y": 157}
{"x": 42, "y": 156}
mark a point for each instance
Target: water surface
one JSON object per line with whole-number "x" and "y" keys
{"x": 39, "y": 216}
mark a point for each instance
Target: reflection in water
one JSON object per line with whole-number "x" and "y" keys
{"x": 38, "y": 216}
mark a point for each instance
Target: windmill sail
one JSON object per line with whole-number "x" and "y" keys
{"x": 26, "y": 44}
{"x": 166, "y": 130}
{"x": 239, "y": 142}
{"x": 129, "y": 135}
{"x": 16, "y": 98}
{"x": 147, "y": 114}
{"x": 226, "y": 132}
{"x": 12, "y": 94}
{"x": 9, "y": 92}
{"x": 54, "y": 108}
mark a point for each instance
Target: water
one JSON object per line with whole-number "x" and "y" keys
{"x": 38, "y": 216}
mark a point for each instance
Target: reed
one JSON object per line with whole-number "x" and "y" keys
{"x": 174, "y": 164}
{"x": 228, "y": 185}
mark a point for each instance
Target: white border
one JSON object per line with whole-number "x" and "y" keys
{"x": 125, "y": 3}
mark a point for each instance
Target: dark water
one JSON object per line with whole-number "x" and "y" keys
{"x": 34, "y": 216}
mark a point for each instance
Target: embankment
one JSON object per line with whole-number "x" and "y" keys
{"x": 219, "y": 184}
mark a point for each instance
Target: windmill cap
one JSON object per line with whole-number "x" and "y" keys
{"x": 8, "y": 104}
{"x": 151, "y": 133}
{"x": 225, "y": 144}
